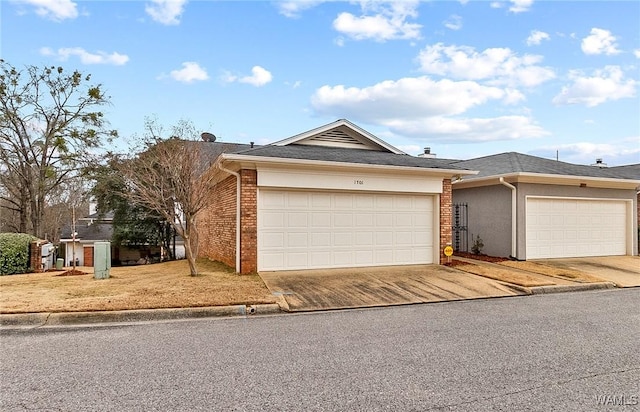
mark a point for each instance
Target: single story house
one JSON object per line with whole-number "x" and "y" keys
{"x": 528, "y": 207}
{"x": 94, "y": 228}
{"x": 332, "y": 197}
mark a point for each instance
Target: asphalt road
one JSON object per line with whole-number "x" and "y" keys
{"x": 560, "y": 352}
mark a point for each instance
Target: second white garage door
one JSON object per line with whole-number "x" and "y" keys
{"x": 559, "y": 228}
{"x": 310, "y": 230}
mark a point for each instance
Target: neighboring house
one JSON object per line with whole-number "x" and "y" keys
{"x": 96, "y": 228}
{"x": 630, "y": 172}
{"x": 528, "y": 207}
{"x": 89, "y": 229}
{"x": 335, "y": 196}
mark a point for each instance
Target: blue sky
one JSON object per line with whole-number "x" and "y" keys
{"x": 466, "y": 78}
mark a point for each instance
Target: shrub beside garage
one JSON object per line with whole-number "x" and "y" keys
{"x": 14, "y": 253}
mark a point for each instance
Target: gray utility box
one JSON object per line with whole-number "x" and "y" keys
{"x": 101, "y": 260}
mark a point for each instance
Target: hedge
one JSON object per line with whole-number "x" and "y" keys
{"x": 14, "y": 253}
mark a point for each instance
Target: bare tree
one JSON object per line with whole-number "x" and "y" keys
{"x": 48, "y": 125}
{"x": 173, "y": 177}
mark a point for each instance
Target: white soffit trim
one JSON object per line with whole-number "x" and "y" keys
{"x": 251, "y": 162}
{"x": 357, "y": 137}
{"x": 549, "y": 179}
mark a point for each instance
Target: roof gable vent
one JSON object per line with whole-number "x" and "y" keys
{"x": 339, "y": 137}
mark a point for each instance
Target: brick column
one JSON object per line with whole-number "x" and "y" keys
{"x": 35, "y": 256}
{"x": 248, "y": 221}
{"x": 446, "y": 205}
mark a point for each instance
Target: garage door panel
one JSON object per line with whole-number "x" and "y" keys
{"x": 365, "y": 220}
{"x": 343, "y": 229}
{"x": 575, "y": 227}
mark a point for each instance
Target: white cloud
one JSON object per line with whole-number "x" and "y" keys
{"x": 536, "y": 37}
{"x": 293, "y": 9}
{"x": 56, "y": 10}
{"x": 604, "y": 85}
{"x": 625, "y": 151}
{"x": 380, "y": 21}
{"x": 406, "y": 98}
{"x": 190, "y": 72}
{"x": 519, "y": 6}
{"x": 600, "y": 41}
{"x": 259, "y": 77}
{"x": 460, "y": 130}
{"x": 454, "y": 22}
{"x": 424, "y": 108}
{"x": 86, "y": 57}
{"x": 636, "y": 53}
{"x": 498, "y": 66}
{"x": 166, "y": 12}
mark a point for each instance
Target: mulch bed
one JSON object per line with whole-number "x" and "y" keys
{"x": 72, "y": 273}
{"x": 485, "y": 258}
{"x": 455, "y": 262}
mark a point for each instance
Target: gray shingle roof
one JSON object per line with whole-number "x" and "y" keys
{"x": 343, "y": 155}
{"x": 94, "y": 231}
{"x": 628, "y": 171}
{"x": 512, "y": 162}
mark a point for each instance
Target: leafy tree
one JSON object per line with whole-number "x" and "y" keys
{"x": 49, "y": 122}
{"x": 133, "y": 224}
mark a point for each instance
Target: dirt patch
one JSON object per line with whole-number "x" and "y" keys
{"x": 562, "y": 273}
{"x": 504, "y": 275}
{"x": 163, "y": 285}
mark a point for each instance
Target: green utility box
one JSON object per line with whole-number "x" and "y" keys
{"x": 101, "y": 260}
{"x": 59, "y": 263}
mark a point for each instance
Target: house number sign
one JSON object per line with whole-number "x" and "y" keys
{"x": 358, "y": 182}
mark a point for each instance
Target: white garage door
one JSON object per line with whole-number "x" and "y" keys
{"x": 575, "y": 228}
{"x": 307, "y": 230}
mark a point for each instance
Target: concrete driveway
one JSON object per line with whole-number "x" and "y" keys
{"x": 624, "y": 271}
{"x": 310, "y": 290}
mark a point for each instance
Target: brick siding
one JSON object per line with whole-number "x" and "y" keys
{"x": 249, "y": 221}
{"x": 446, "y": 205}
{"x": 217, "y": 224}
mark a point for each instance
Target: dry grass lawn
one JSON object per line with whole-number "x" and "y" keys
{"x": 505, "y": 275}
{"x": 567, "y": 274}
{"x": 163, "y": 285}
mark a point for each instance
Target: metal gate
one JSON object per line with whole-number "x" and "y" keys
{"x": 460, "y": 232}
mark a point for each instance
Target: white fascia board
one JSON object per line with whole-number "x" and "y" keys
{"x": 549, "y": 179}
{"x": 338, "y": 123}
{"x": 251, "y": 162}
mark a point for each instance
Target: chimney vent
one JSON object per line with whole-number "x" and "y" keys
{"x": 599, "y": 163}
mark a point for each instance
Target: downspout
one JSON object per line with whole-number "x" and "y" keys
{"x": 237, "y": 175}
{"x": 514, "y": 210}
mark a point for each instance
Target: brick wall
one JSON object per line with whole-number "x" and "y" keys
{"x": 445, "y": 218}
{"x": 35, "y": 255}
{"x": 249, "y": 221}
{"x": 217, "y": 224}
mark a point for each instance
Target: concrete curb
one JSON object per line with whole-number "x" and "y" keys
{"x": 126, "y": 316}
{"x": 538, "y": 290}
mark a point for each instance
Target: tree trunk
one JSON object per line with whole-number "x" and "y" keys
{"x": 190, "y": 257}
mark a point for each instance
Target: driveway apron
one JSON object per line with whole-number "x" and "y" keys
{"x": 325, "y": 289}
{"x": 624, "y": 271}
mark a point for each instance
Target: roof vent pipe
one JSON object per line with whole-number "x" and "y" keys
{"x": 427, "y": 153}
